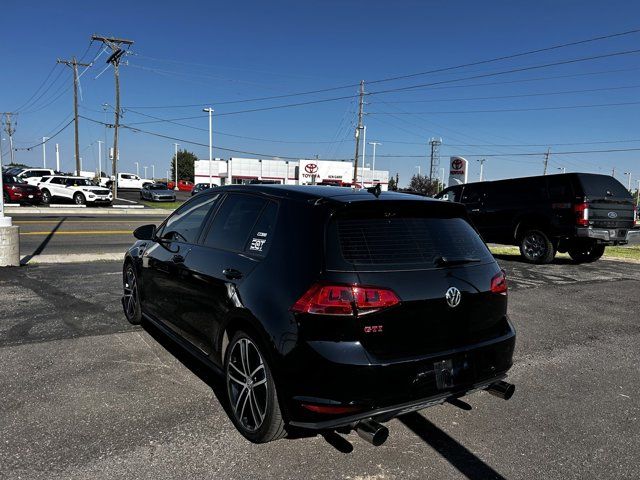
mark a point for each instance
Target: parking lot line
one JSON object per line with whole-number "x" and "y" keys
{"x": 80, "y": 232}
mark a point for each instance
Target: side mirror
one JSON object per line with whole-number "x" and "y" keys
{"x": 145, "y": 232}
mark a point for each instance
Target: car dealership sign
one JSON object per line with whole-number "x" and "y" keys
{"x": 317, "y": 171}
{"x": 458, "y": 170}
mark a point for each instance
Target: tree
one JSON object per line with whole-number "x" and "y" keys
{"x": 421, "y": 184}
{"x": 392, "y": 184}
{"x": 185, "y": 165}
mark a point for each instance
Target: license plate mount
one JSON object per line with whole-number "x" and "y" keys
{"x": 444, "y": 373}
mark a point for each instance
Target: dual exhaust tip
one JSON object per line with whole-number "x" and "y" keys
{"x": 376, "y": 434}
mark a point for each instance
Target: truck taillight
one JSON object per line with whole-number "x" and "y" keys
{"x": 323, "y": 299}
{"x": 499, "y": 283}
{"x": 582, "y": 214}
{"x": 635, "y": 214}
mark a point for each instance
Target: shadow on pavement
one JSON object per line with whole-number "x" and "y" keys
{"x": 44, "y": 243}
{"x": 451, "y": 450}
{"x": 519, "y": 259}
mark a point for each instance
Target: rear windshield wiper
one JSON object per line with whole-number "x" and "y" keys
{"x": 445, "y": 261}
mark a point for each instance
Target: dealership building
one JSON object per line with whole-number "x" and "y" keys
{"x": 287, "y": 172}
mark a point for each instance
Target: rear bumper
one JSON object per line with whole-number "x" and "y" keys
{"x": 613, "y": 235}
{"x": 340, "y": 375}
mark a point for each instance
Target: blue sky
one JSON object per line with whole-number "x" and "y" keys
{"x": 209, "y": 53}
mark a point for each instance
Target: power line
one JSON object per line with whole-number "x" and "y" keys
{"x": 521, "y": 154}
{"x": 454, "y": 67}
{"x": 50, "y": 138}
{"x": 38, "y": 89}
{"x": 497, "y": 97}
{"x": 169, "y": 137}
{"x": 513, "y": 70}
{"x": 498, "y": 110}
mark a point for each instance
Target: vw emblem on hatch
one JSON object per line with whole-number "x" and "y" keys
{"x": 453, "y": 297}
{"x": 612, "y": 215}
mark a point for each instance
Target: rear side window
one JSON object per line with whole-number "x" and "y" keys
{"x": 472, "y": 194}
{"x": 185, "y": 224}
{"x": 402, "y": 243}
{"x": 602, "y": 186}
{"x": 234, "y": 222}
{"x": 261, "y": 236}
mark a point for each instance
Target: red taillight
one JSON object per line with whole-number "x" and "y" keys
{"x": 331, "y": 409}
{"x": 344, "y": 300}
{"x": 582, "y": 214}
{"x": 635, "y": 214}
{"x": 499, "y": 283}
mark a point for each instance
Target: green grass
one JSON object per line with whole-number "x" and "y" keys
{"x": 164, "y": 205}
{"x": 629, "y": 252}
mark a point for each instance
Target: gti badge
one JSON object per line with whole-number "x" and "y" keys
{"x": 453, "y": 297}
{"x": 612, "y": 215}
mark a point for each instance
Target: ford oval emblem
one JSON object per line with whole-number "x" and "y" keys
{"x": 612, "y": 215}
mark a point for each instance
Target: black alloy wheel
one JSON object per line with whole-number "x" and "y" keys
{"x": 535, "y": 247}
{"x": 131, "y": 299}
{"x": 253, "y": 400}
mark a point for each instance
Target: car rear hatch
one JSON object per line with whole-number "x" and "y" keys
{"x": 434, "y": 263}
{"x": 609, "y": 203}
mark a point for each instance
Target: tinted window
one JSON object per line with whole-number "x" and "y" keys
{"x": 234, "y": 222}
{"x": 155, "y": 187}
{"x": 559, "y": 188}
{"x": 261, "y": 236}
{"x": 185, "y": 224}
{"x": 472, "y": 194}
{"x": 57, "y": 180}
{"x": 602, "y": 186}
{"x": 520, "y": 190}
{"x": 408, "y": 243}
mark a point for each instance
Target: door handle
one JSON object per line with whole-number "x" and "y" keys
{"x": 177, "y": 259}
{"x": 232, "y": 273}
{"x": 475, "y": 210}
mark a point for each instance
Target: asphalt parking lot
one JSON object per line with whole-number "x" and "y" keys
{"x": 86, "y": 395}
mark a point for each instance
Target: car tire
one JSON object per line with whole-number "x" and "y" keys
{"x": 46, "y": 197}
{"x": 131, "y": 297}
{"x": 79, "y": 199}
{"x": 586, "y": 252}
{"x": 251, "y": 391}
{"x": 536, "y": 247}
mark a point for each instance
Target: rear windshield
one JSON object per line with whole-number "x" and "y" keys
{"x": 402, "y": 243}
{"x": 602, "y": 186}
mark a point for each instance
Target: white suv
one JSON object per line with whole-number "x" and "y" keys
{"x": 33, "y": 175}
{"x": 78, "y": 189}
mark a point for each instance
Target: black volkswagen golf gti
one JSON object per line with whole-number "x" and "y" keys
{"x": 325, "y": 308}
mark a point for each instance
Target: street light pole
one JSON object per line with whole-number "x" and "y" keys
{"x": 374, "y": 157}
{"x": 153, "y": 172}
{"x": 137, "y": 169}
{"x": 175, "y": 167}
{"x": 563, "y": 169}
{"x": 418, "y": 167}
{"x": 482, "y": 169}
{"x": 145, "y": 171}
{"x": 628, "y": 174}
{"x": 44, "y": 151}
{"x": 210, "y": 110}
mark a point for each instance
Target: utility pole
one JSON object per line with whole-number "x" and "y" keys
{"x": 482, "y": 168}
{"x": 210, "y": 110}
{"x": 546, "y": 160}
{"x": 435, "y": 157}
{"x": 358, "y": 128}
{"x": 44, "y": 151}
{"x": 10, "y": 128}
{"x": 115, "y": 44}
{"x": 73, "y": 63}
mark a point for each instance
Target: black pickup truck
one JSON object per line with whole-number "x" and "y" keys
{"x": 578, "y": 213}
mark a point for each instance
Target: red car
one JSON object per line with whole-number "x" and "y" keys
{"x": 183, "y": 185}
{"x": 16, "y": 190}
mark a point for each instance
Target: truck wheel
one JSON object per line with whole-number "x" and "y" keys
{"x": 79, "y": 199}
{"x": 46, "y": 197}
{"x": 586, "y": 252}
{"x": 535, "y": 247}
